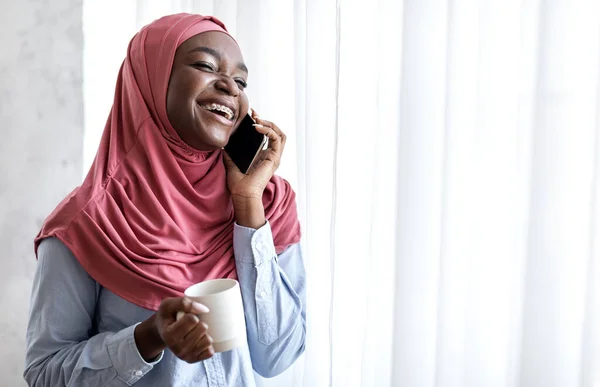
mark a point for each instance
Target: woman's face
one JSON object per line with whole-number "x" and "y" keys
{"x": 206, "y": 99}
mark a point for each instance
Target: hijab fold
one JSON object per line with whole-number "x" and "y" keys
{"x": 154, "y": 216}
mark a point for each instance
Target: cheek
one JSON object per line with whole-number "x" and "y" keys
{"x": 171, "y": 105}
{"x": 180, "y": 95}
{"x": 244, "y": 105}
{"x": 178, "y": 106}
{"x": 174, "y": 92}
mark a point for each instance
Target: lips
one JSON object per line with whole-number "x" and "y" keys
{"x": 222, "y": 107}
{"x": 217, "y": 115}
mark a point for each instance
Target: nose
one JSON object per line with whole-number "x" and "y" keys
{"x": 227, "y": 85}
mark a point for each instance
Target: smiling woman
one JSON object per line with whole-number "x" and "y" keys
{"x": 206, "y": 98}
{"x": 163, "y": 208}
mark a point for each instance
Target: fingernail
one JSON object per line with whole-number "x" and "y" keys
{"x": 199, "y": 308}
{"x": 262, "y": 126}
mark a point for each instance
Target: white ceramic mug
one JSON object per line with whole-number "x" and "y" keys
{"x": 225, "y": 320}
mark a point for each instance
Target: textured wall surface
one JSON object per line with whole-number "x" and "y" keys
{"x": 41, "y": 126}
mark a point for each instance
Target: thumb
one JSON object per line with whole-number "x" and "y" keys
{"x": 171, "y": 306}
{"x": 194, "y": 307}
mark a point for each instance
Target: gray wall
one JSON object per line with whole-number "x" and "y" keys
{"x": 41, "y": 126}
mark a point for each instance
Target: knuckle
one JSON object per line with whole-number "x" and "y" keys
{"x": 190, "y": 319}
{"x": 164, "y": 305}
{"x": 177, "y": 349}
{"x": 169, "y": 339}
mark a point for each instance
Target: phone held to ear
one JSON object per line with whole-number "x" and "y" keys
{"x": 245, "y": 144}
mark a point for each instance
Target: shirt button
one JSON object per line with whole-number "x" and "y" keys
{"x": 263, "y": 294}
{"x": 138, "y": 373}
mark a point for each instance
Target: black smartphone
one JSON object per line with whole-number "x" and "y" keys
{"x": 245, "y": 144}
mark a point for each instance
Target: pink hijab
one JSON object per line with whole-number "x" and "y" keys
{"x": 153, "y": 216}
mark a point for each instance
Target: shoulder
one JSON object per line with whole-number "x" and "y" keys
{"x": 53, "y": 246}
{"x": 54, "y": 249}
{"x": 56, "y": 259}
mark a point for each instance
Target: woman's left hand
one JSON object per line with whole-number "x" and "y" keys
{"x": 247, "y": 189}
{"x": 252, "y": 185}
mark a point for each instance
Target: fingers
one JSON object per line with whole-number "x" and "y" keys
{"x": 170, "y": 306}
{"x": 187, "y": 337}
{"x": 275, "y": 128}
{"x": 197, "y": 345}
{"x": 274, "y": 139}
{"x": 207, "y": 353}
{"x": 174, "y": 335}
{"x": 277, "y": 138}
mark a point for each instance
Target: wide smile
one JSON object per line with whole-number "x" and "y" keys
{"x": 219, "y": 112}
{"x": 220, "y": 109}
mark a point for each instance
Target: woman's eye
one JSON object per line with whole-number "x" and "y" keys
{"x": 205, "y": 66}
{"x": 241, "y": 83}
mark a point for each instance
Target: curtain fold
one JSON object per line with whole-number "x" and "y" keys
{"x": 446, "y": 156}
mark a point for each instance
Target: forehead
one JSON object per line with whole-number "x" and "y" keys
{"x": 216, "y": 40}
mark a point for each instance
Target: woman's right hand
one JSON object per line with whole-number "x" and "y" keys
{"x": 187, "y": 337}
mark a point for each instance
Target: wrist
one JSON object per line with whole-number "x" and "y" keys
{"x": 249, "y": 212}
{"x": 148, "y": 340}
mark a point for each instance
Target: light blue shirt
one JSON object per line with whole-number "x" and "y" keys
{"x": 81, "y": 334}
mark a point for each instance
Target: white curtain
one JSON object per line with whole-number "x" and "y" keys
{"x": 447, "y": 159}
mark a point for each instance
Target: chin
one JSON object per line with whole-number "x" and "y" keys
{"x": 217, "y": 141}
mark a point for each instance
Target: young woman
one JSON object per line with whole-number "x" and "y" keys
{"x": 162, "y": 208}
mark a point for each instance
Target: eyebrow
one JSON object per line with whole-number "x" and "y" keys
{"x": 216, "y": 54}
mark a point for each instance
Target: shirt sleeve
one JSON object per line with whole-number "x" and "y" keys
{"x": 61, "y": 349}
{"x": 273, "y": 292}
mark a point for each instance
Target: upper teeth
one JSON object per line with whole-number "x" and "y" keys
{"x": 221, "y": 108}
